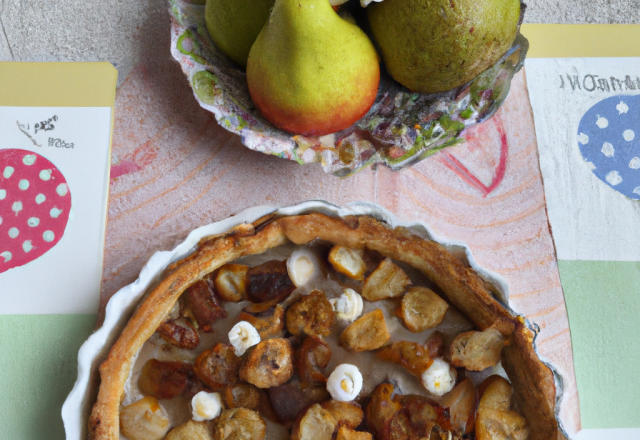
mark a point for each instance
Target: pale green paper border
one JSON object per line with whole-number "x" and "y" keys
{"x": 603, "y": 304}
{"x": 39, "y": 367}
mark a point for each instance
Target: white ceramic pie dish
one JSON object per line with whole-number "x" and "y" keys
{"x": 76, "y": 408}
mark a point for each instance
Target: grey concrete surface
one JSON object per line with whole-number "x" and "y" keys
{"x": 125, "y": 32}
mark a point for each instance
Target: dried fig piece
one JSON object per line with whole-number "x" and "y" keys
{"x": 314, "y": 423}
{"x": 218, "y": 368}
{"x": 242, "y": 395}
{"x": 495, "y": 418}
{"x": 345, "y": 433}
{"x": 410, "y": 355}
{"x": 239, "y": 424}
{"x": 422, "y": 309}
{"x": 312, "y": 315}
{"x": 348, "y": 262}
{"x": 164, "y": 380}
{"x": 179, "y": 332}
{"x": 348, "y": 414}
{"x": 289, "y": 399}
{"x": 314, "y": 356}
{"x": 476, "y": 350}
{"x": 387, "y": 281}
{"x": 368, "y": 332}
{"x": 269, "y": 324}
{"x": 461, "y": 402}
{"x": 268, "y": 281}
{"x": 268, "y": 363}
{"x": 191, "y": 430}
{"x": 201, "y": 304}
{"x": 145, "y": 419}
{"x": 381, "y": 410}
{"x": 229, "y": 282}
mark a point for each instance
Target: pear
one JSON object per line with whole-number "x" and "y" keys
{"x": 310, "y": 71}
{"x": 430, "y": 46}
{"x": 235, "y": 24}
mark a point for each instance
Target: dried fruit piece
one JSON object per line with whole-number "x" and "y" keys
{"x": 381, "y": 410}
{"x": 401, "y": 428}
{"x": 242, "y": 395}
{"x": 314, "y": 423}
{"x": 348, "y": 414}
{"x": 239, "y": 424}
{"x": 345, "y": 433}
{"x": 435, "y": 344}
{"x": 268, "y": 364}
{"x": 202, "y": 305}
{"x": 461, "y": 402}
{"x": 312, "y": 315}
{"x": 229, "y": 282}
{"x": 314, "y": 356}
{"x": 145, "y": 419}
{"x": 495, "y": 418}
{"x": 269, "y": 324}
{"x": 369, "y": 332}
{"x": 476, "y": 350}
{"x": 410, "y": 355}
{"x": 421, "y": 412}
{"x": 422, "y": 309}
{"x": 179, "y": 332}
{"x": 289, "y": 399}
{"x": 164, "y": 380}
{"x": 191, "y": 430}
{"x": 387, "y": 281}
{"x": 268, "y": 281}
{"x": 218, "y": 367}
{"x": 348, "y": 261}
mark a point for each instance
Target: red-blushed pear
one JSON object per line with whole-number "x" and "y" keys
{"x": 311, "y": 72}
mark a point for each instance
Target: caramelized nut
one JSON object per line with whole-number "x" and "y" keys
{"x": 312, "y": 315}
{"x": 230, "y": 282}
{"x": 387, "y": 281}
{"x": 422, "y": 309}
{"x": 369, "y": 332}
{"x": 348, "y": 262}
{"x": 218, "y": 368}
{"x": 242, "y": 395}
{"x": 268, "y": 363}
{"x": 179, "y": 332}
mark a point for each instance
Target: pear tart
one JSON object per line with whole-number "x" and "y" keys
{"x": 313, "y": 327}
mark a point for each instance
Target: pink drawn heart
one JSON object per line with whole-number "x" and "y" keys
{"x": 482, "y": 160}
{"x": 35, "y": 203}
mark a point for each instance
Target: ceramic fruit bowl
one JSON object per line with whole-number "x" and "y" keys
{"x": 400, "y": 129}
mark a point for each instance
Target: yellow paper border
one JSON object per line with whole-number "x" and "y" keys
{"x": 582, "y": 40}
{"x": 57, "y": 84}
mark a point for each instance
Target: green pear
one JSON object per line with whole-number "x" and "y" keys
{"x": 431, "y": 46}
{"x": 235, "y": 24}
{"x": 310, "y": 71}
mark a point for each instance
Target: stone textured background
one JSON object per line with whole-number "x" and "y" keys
{"x": 124, "y": 32}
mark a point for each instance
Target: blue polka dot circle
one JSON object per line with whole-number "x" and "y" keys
{"x": 609, "y": 140}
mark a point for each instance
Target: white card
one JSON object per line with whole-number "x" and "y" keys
{"x": 54, "y": 183}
